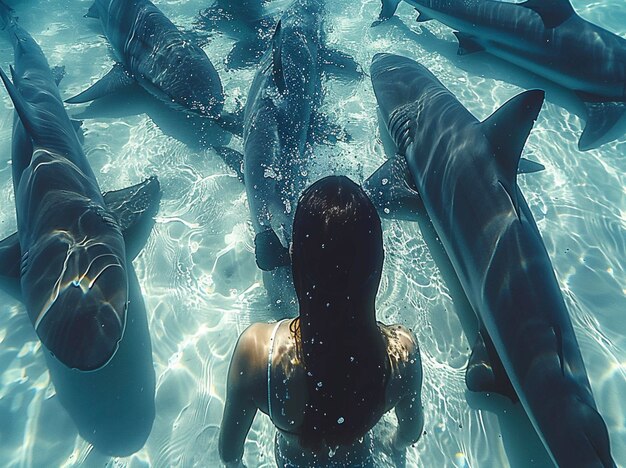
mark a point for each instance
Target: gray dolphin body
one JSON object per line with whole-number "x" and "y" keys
{"x": 72, "y": 253}
{"x": 465, "y": 174}
{"x": 152, "y": 52}
{"x": 281, "y": 120}
{"x": 548, "y": 38}
{"x": 248, "y": 21}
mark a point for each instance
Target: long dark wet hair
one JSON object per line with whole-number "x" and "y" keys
{"x": 337, "y": 264}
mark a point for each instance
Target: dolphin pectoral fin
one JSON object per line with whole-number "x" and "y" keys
{"x": 245, "y": 53}
{"x": 269, "y": 252}
{"x": 277, "y": 62}
{"x": 232, "y": 158}
{"x": 340, "y": 64}
{"x": 526, "y": 166}
{"x": 467, "y": 44}
{"x": 507, "y": 130}
{"x": 601, "y": 118}
{"x": 10, "y": 260}
{"x": 485, "y": 372}
{"x": 391, "y": 190}
{"x": 323, "y": 131}
{"x": 388, "y": 9}
{"x": 117, "y": 79}
{"x": 552, "y": 12}
{"x": 92, "y": 12}
{"x": 135, "y": 208}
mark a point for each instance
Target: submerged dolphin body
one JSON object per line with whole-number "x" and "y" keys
{"x": 152, "y": 52}
{"x": 73, "y": 257}
{"x": 465, "y": 174}
{"x": 70, "y": 262}
{"x": 281, "y": 120}
{"x": 247, "y": 21}
{"x": 548, "y": 38}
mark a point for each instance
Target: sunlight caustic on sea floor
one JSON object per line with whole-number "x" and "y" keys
{"x": 197, "y": 271}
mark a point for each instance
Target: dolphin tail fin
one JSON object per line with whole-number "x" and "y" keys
{"x": 392, "y": 191}
{"x": 6, "y": 15}
{"x": 134, "y": 208}
{"x": 116, "y": 79}
{"x": 269, "y": 252}
{"x": 601, "y": 119}
{"x": 485, "y": 372}
{"x": 232, "y": 158}
{"x": 340, "y": 64}
{"x": 10, "y": 261}
{"x": 388, "y": 9}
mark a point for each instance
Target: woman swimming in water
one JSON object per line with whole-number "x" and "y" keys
{"x": 326, "y": 377}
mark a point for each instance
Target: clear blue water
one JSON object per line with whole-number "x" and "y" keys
{"x": 202, "y": 289}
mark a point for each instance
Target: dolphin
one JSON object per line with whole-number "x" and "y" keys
{"x": 281, "y": 122}
{"x": 113, "y": 406}
{"x": 69, "y": 244}
{"x": 548, "y": 38}
{"x": 151, "y": 51}
{"x": 463, "y": 172}
{"x": 248, "y": 21}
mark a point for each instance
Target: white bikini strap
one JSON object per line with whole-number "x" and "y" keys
{"x": 269, "y": 368}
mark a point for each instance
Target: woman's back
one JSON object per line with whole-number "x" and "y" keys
{"x": 269, "y": 361}
{"x": 326, "y": 377}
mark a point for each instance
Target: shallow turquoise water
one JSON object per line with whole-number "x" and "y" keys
{"x": 197, "y": 271}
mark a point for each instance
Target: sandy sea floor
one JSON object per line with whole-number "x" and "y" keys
{"x": 197, "y": 272}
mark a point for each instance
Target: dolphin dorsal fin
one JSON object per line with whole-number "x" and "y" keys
{"x": 507, "y": 130}
{"x": 552, "y": 12}
{"x": 277, "y": 63}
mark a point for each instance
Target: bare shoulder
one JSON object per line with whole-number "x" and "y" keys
{"x": 248, "y": 366}
{"x": 405, "y": 362}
